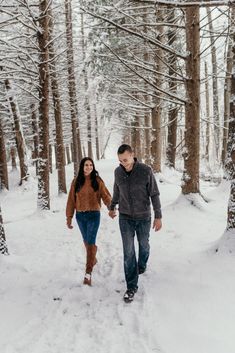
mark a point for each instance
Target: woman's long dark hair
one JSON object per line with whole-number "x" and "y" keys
{"x": 80, "y": 180}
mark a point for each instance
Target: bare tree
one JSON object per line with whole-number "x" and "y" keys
{"x": 156, "y": 143}
{"x": 97, "y": 139}
{"x": 226, "y": 242}
{"x": 215, "y": 95}
{"x": 3, "y": 245}
{"x": 192, "y": 112}
{"x": 136, "y": 137}
{"x": 87, "y": 103}
{"x": 173, "y": 109}
{"x": 227, "y": 90}
{"x": 60, "y": 153}
{"x": 19, "y": 137}
{"x": 43, "y": 121}
{"x": 230, "y": 162}
{"x": 35, "y": 136}
{"x": 77, "y": 149}
{"x": 3, "y": 161}
{"x": 207, "y": 113}
{"x": 13, "y": 157}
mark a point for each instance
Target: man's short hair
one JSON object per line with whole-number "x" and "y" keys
{"x": 123, "y": 148}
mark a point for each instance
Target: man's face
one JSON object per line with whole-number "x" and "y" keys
{"x": 126, "y": 159}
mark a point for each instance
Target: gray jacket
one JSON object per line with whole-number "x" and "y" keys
{"x": 133, "y": 192}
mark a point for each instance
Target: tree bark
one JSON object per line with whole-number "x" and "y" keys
{"x": 207, "y": 115}
{"x": 35, "y": 136}
{"x": 97, "y": 140}
{"x": 19, "y": 137}
{"x": 173, "y": 110}
{"x": 87, "y": 103}
{"x": 77, "y": 149}
{"x": 156, "y": 143}
{"x": 136, "y": 137}
{"x": 60, "y": 155}
{"x": 192, "y": 111}
{"x": 147, "y": 116}
{"x": 3, "y": 161}
{"x": 215, "y": 95}
{"x": 50, "y": 158}
{"x": 227, "y": 92}
{"x": 230, "y": 162}
{"x": 3, "y": 245}
{"x": 43, "y": 122}
{"x": 13, "y": 158}
{"x": 68, "y": 154}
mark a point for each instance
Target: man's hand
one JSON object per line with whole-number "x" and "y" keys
{"x": 157, "y": 224}
{"x": 69, "y": 224}
{"x": 112, "y": 213}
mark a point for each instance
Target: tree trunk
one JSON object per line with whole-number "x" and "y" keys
{"x": 88, "y": 116}
{"x": 156, "y": 144}
{"x": 43, "y": 122}
{"x": 207, "y": 114}
{"x": 215, "y": 95}
{"x": 3, "y": 245}
{"x": 50, "y": 158}
{"x": 147, "y": 116}
{"x": 60, "y": 156}
{"x": 136, "y": 138}
{"x": 13, "y": 158}
{"x": 192, "y": 111}
{"x": 77, "y": 149}
{"x": 35, "y": 136}
{"x": 87, "y": 103}
{"x": 97, "y": 140}
{"x": 20, "y": 142}
{"x": 3, "y": 161}
{"x": 230, "y": 162}
{"x": 173, "y": 110}
{"x": 147, "y": 138}
{"x": 227, "y": 92}
{"x": 68, "y": 154}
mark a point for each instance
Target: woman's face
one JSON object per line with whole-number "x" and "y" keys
{"x": 88, "y": 167}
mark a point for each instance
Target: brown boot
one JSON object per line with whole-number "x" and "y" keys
{"x": 90, "y": 262}
{"x": 87, "y": 279}
{"x": 95, "y": 251}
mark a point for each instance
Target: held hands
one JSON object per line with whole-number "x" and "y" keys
{"x": 157, "y": 224}
{"x": 112, "y": 213}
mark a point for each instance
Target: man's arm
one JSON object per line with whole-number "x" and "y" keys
{"x": 154, "y": 195}
{"x": 114, "y": 202}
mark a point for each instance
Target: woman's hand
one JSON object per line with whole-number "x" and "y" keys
{"x": 112, "y": 213}
{"x": 69, "y": 224}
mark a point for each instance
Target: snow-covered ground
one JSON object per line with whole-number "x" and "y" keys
{"x": 185, "y": 302}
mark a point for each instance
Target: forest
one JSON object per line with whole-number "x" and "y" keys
{"x": 78, "y": 78}
{"x": 159, "y": 74}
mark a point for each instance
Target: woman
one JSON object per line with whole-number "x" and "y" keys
{"x": 85, "y": 195}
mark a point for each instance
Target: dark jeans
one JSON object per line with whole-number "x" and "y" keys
{"x": 88, "y": 223}
{"x": 128, "y": 228}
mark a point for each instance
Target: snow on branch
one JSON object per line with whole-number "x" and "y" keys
{"x": 181, "y": 4}
{"x": 140, "y": 35}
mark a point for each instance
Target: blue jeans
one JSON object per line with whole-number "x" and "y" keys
{"x": 88, "y": 223}
{"x": 128, "y": 228}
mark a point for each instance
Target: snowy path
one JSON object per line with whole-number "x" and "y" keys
{"x": 185, "y": 302}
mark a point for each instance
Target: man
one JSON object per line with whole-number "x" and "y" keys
{"x": 134, "y": 187}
